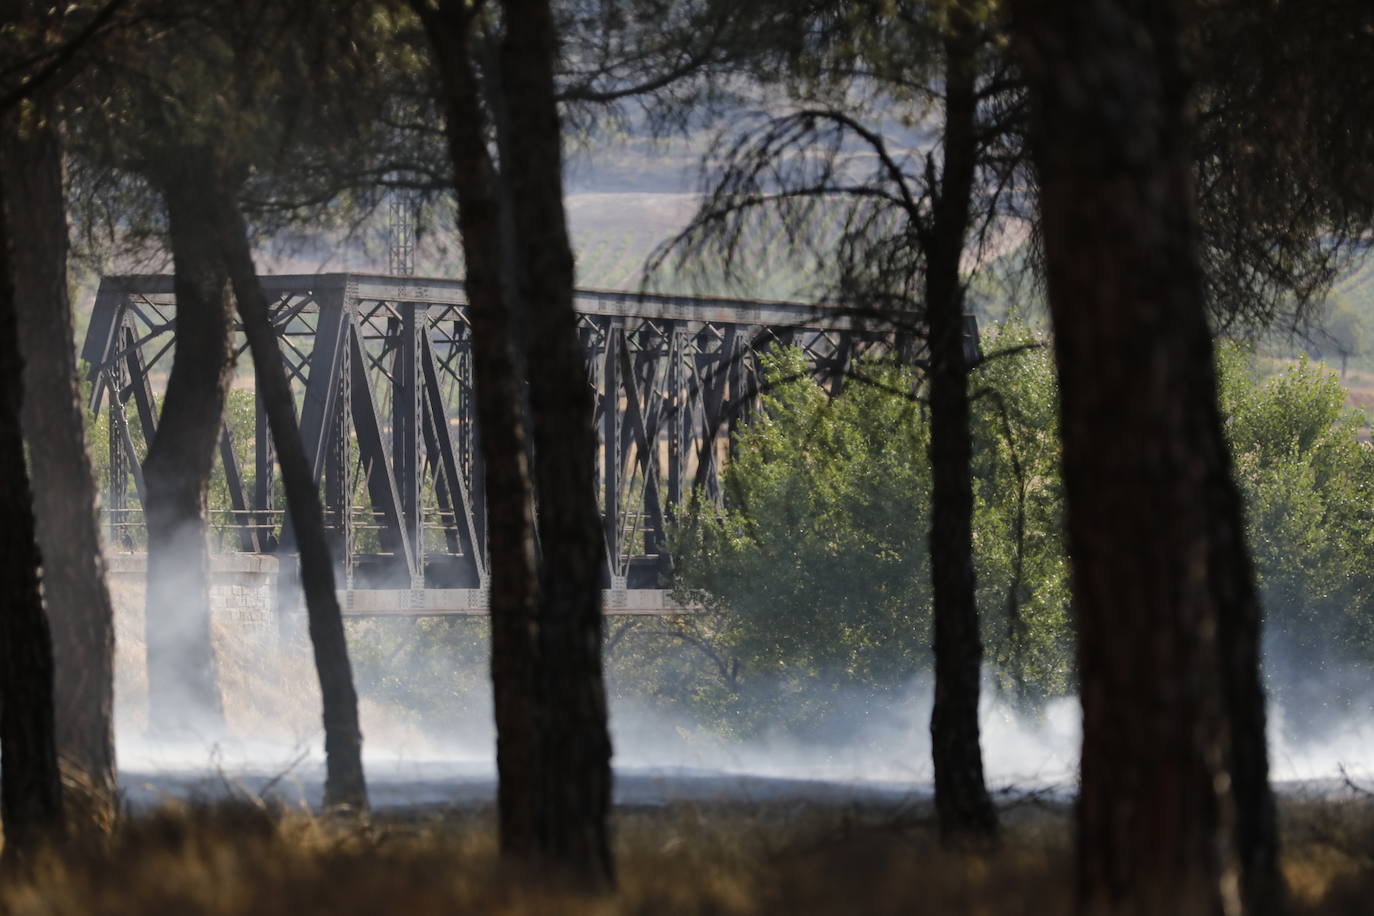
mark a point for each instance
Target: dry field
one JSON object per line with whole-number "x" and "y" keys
{"x": 244, "y": 858}
{"x": 1359, "y": 389}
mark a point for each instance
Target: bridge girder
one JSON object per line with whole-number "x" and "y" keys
{"x": 382, "y": 370}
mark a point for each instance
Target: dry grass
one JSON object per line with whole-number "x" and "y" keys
{"x": 241, "y": 859}
{"x": 738, "y": 859}
{"x": 723, "y": 859}
{"x": 1329, "y": 852}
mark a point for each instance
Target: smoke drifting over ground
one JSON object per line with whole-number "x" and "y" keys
{"x": 273, "y": 740}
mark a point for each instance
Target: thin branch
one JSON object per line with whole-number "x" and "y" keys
{"x": 729, "y": 672}
{"x": 986, "y": 358}
{"x": 60, "y": 57}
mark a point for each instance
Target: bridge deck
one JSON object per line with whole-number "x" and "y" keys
{"x": 449, "y": 602}
{"x": 438, "y": 291}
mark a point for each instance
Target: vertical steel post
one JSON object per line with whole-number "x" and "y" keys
{"x": 401, "y": 259}
{"x": 470, "y": 446}
{"x": 117, "y": 499}
{"x": 264, "y": 464}
{"x": 406, "y": 433}
{"x": 343, "y": 407}
{"x": 610, "y": 442}
{"x": 239, "y": 519}
{"x": 677, "y": 410}
{"x": 715, "y": 371}
{"x": 735, "y": 400}
{"x": 338, "y": 474}
{"x": 689, "y": 419}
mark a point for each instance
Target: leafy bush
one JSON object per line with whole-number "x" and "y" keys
{"x": 1309, "y": 487}
{"x": 815, "y": 574}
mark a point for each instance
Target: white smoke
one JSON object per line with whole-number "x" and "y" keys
{"x": 274, "y": 738}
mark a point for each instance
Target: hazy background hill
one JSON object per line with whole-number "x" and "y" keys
{"x": 629, "y": 194}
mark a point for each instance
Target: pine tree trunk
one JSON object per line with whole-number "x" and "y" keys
{"x": 575, "y": 748}
{"x": 1232, "y": 582}
{"x": 1168, "y": 625}
{"x": 511, "y": 559}
{"x": 78, "y": 603}
{"x": 183, "y": 688}
{"x": 345, "y": 787}
{"x": 30, "y": 785}
{"x": 961, "y": 797}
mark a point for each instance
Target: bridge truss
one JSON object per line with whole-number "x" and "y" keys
{"x": 382, "y": 370}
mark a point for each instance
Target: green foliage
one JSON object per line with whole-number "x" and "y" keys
{"x": 816, "y": 575}
{"x": 1018, "y": 516}
{"x": 432, "y": 670}
{"x": 818, "y": 560}
{"x": 1309, "y": 487}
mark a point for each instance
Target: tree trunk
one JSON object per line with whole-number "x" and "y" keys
{"x": 78, "y": 603}
{"x": 1163, "y": 589}
{"x": 345, "y": 787}
{"x": 961, "y": 796}
{"x": 183, "y": 689}
{"x": 575, "y": 753}
{"x": 30, "y": 785}
{"x": 1231, "y": 579}
{"x": 511, "y": 558}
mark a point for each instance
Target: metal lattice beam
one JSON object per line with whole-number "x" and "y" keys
{"x": 382, "y": 371}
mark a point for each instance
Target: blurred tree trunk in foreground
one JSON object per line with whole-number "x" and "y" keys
{"x": 575, "y": 746}
{"x": 80, "y": 615}
{"x": 345, "y": 786}
{"x": 30, "y": 785}
{"x": 1163, "y": 587}
{"x": 961, "y": 795}
{"x": 183, "y": 687}
{"x": 512, "y": 562}
{"x": 553, "y": 746}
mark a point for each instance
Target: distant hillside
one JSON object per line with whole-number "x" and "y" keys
{"x": 615, "y": 231}
{"x": 1358, "y": 290}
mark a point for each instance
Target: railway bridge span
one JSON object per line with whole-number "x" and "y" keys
{"x": 382, "y": 371}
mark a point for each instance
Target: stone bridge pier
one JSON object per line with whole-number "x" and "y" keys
{"x": 243, "y": 590}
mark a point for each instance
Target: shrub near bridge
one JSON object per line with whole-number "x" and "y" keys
{"x": 1309, "y": 486}
{"x": 815, "y": 574}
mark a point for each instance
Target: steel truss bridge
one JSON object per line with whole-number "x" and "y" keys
{"x": 382, "y": 371}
